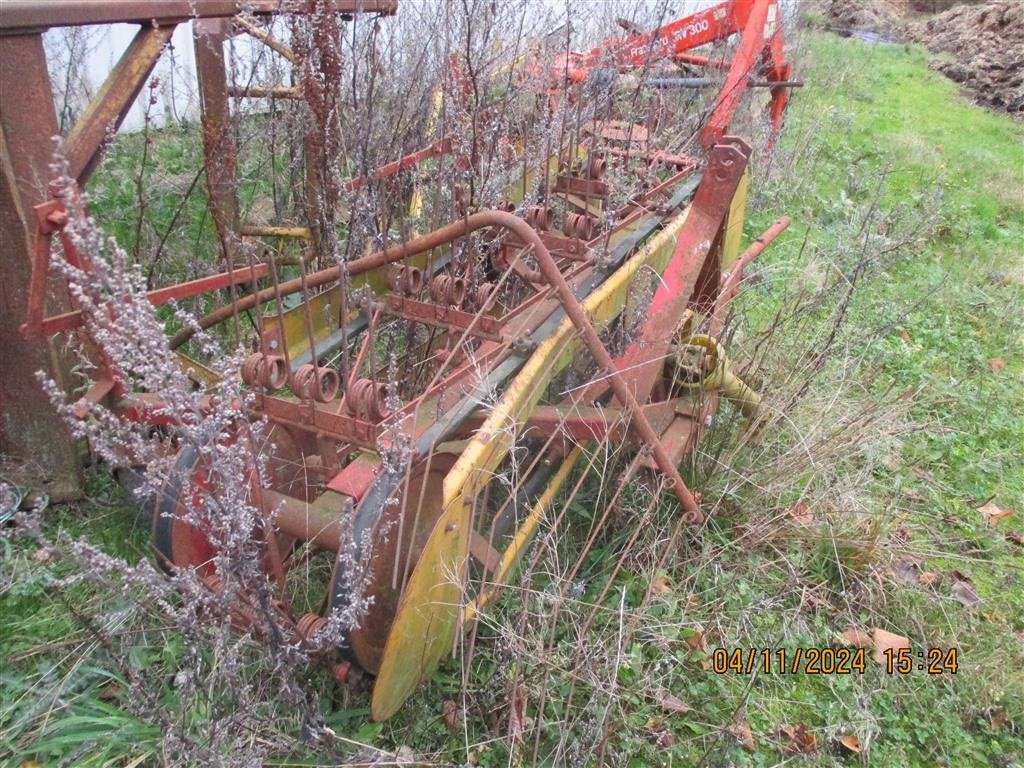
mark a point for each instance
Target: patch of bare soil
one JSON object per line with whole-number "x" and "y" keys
{"x": 987, "y": 41}
{"x": 881, "y": 16}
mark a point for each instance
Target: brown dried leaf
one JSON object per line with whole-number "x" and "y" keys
{"x": 996, "y": 364}
{"x": 884, "y": 641}
{"x": 660, "y": 585}
{"x": 673, "y": 704}
{"x": 929, "y": 579}
{"x": 993, "y": 513}
{"x": 905, "y": 335}
{"x": 856, "y": 637}
{"x": 43, "y": 555}
{"x": 801, "y": 512}
{"x": 741, "y": 730}
{"x": 450, "y": 713}
{"x": 1015, "y": 537}
{"x": 517, "y": 714}
{"x": 850, "y": 741}
{"x": 695, "y": 639}
{"x": 965, "y": 592}
{"x": 809, "y": 598}
{"x": 797, "y": 739}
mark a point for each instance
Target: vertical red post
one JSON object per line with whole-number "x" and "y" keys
{"x": 31, "y": 432}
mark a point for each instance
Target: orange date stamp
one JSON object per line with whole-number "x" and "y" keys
{"x": 830, "y": 661}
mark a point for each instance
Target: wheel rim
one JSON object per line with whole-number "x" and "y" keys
{"x": 388, "y": 564}
{"x": 180, "y": 543}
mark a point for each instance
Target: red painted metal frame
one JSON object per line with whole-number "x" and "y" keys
{"x": 643, "y": 359}
{"x": 438, "y": 148}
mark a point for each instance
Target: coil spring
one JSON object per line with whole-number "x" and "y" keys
{"x": 540, "y": 217}
{"x": 263, "y": 370}
{"x": 365, "y": 400}
{"x": 445, "y": 289}
{"x": 406, "y": 280}
{"x": 595, "y": 167}
{"x": 483, "y": 295}
{"x": 579, "y": 225}
{"x": 309, "y": 625}
{"x": 312, "y": 382}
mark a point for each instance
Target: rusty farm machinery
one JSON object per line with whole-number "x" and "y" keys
{"x": 398, "y": 383}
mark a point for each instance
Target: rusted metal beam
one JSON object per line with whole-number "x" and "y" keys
{"x": 255, "y": 92}
{"x": 269, "y": 40}
{"x": 219, "y": 149}
{"x": 19, "y": 16}
{"x": 30, "y": 429}
{"x": 74, "y": 319}
{"x": 109, "y": 106}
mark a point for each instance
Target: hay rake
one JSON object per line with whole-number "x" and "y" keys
{"x": 405, "y": 380}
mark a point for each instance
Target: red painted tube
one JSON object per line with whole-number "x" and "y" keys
{"x": 731, "y": 279}
{"x": 398, "y": 252}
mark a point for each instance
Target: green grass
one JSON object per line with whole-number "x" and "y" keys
{"x": 875, "y": 137}
{"x": 877, "y": 145}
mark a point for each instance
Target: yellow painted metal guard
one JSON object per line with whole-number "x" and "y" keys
{"x": 525, "y": 532}
{"x": 734, "y": 222}
{"x": 428, "y": 613}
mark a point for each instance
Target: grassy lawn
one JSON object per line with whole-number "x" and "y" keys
{"x": 885, "y": 331}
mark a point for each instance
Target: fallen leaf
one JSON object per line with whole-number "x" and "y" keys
{"x": 660, "y": 585}
{"x": 929, "y": 579}
{"x": 850, "y": 741}
{"x": 993, "y": 513}
{"x": 999, "y": 719}
{"x": 965, "y": 592}
{"x": 450, "y": 713}
{"x": 695, "y": 639}
{"x": 673, "y": 704}
{"x": 996, "y": 364}
{"x": 665, "y": 739}
{"x": 884, "y": 641}
{"x": 958, "y": 576}
{"x": 741, "y": 730}
{"x": 856, "y": 637}
{"x": 658, "y": 734}
{"x": 797, "y": 739}
{"x": 517, "y": 714}
{"x": 905, "y": 335}
{"x": 1015, "y": 537}
{"x": 906, "y": 569}
{"x": 801, "y": 512}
